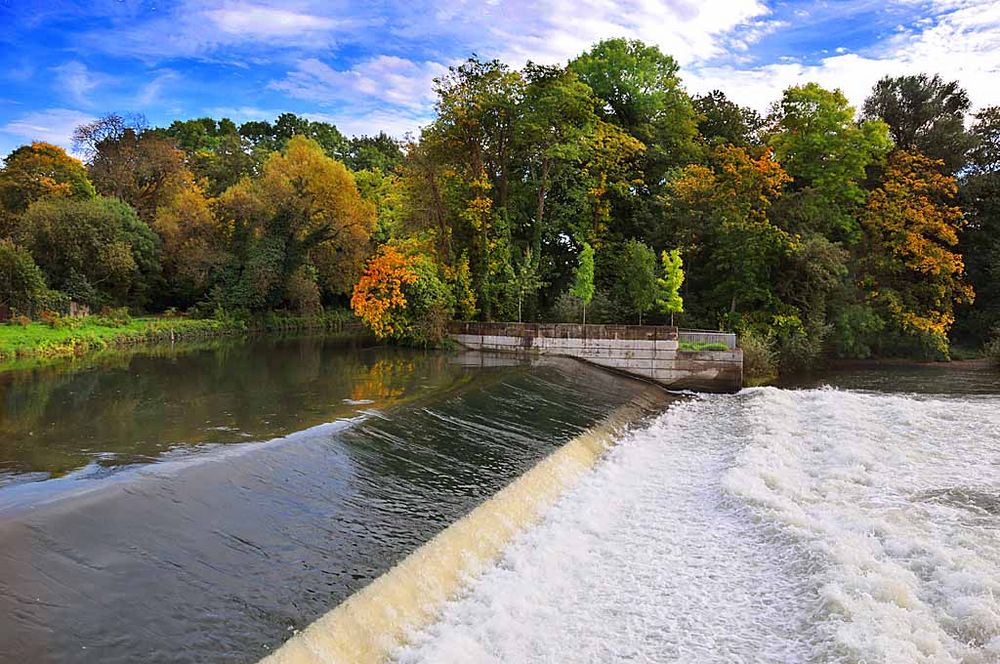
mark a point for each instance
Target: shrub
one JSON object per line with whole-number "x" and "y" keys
{"x": 992, "y": 349}
{"x": 21, "y": 320}
{"x": 114, "y": 317}
{"x": 760, "y": 360}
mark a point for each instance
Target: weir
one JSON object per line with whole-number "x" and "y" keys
{"x": 651, "y": 352}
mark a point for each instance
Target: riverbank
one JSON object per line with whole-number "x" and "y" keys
{"x": 74, "y": 337}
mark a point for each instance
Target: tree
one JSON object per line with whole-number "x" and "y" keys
{"x": 128, "y": 161}
{"x": 637, "y": 274}
{"x": 22, "y": 282}
{"x": 41, "y": 170}
{"x": 721, "y": 122}
{"x": 734, "y": 249}
{"x": 526, "y": 280}
{"x": 304, "y": 209}
{"x": 583, "y": 280}
{"x": 816, "y": 140}
{"x": 924, "y": 114}
{"x": 668, "y": 298}
{"x": 909, "y": 266}
{"x": 97, "y": 251}
{"x": 402, "y": 296}
{"x": 194, "y": 247}
{"x": 980, "y": 239}
{"x": 640, "y": 91}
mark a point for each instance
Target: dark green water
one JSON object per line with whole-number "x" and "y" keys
{"x": 199, "y": 506}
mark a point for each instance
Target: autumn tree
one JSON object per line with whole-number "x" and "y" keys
{"x": 128, "y": 161}
{"x": 41, "y": 170}
{"x": 304, "y": 209}
{"x": 734, "y": 249}
{"x": 910, "y": 268}
{"x": 194, "y": 247}
{"x": 402, "y": 296}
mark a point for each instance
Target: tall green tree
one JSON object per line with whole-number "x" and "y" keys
{"x": 924, "y": 114}
{"x": 816, "y": 140}
{"x": 583, "y": 278}
{"x": 668, "y": 286}
{"x": 721, "y": 121}
{"x": 638, "y": 277}
{"x": 980, "y": 239}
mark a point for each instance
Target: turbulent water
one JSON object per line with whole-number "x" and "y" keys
{"x": 813, "y": 525}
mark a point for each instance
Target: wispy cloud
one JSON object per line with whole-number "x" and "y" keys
{"x": 385, "y": 79}
{"x": 960, "y": 39}
{"x": 77, "y": 81}
{"x": 54, "y": 125}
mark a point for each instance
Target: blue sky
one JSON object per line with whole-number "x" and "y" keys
{"x": 369, "y": 66}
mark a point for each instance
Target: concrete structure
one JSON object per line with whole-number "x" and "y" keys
{"x": 646, "y": 351}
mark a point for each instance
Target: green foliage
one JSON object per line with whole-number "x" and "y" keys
{"x": 924, "y": 114}
{"x": 668, "y": 287}
{"x": 583, "y": 278}
{"x": 637, "y": 277}
{"x": 760, "y": 360}
{"x": 816, "y": 140}
{"x": 701, "y": 345}
{"x": 22, "y": 282}
{"x": 96, "y": 250}
{"x": 722, "y": 122}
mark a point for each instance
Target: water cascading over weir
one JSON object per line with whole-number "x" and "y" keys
{"x": 651, "y": 352}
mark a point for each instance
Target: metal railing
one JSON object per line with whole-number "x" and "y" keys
{"x": 708, "y": 337}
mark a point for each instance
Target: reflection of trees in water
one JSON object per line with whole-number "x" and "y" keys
{"x": 135, "y": 406}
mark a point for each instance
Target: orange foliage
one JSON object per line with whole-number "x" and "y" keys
{"x": 912, "y": 225}
{"x": 379, "y": 292}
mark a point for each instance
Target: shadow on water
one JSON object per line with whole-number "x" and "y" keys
{"x": 218, "y": 551}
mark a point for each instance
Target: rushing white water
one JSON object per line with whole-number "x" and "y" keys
{"x": 771, "y": 526}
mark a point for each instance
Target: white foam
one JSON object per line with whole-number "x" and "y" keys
{"x": 772, "y": 526}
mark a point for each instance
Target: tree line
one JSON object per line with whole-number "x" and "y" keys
{"x": 538, "y": 193}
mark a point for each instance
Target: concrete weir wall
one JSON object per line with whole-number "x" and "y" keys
{"x": 645, "y": 351}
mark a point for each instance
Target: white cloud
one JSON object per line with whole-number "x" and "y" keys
{"x": 961, "y": 42}
{"x": 75, "y": 79}
{"x": 395, "y": 124}
{"x": 385, "y": 79}
{"x": 54, "y": 125}
{"x": 256, "y": 21}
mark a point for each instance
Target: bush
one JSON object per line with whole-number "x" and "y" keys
{"x": 116, "y": 317}
{"x": 760, "y": 360}
{"x": 992, "y": 349}
{"x": 21, "y": 320}
{"x": 22, "y": 283}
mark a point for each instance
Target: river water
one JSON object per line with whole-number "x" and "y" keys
{"x": 852, "y": 521}
{"x": 205, "y": 505}
{"x": 200, "y": 506}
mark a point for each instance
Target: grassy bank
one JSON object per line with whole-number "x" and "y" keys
{"x": 83, "y": 335}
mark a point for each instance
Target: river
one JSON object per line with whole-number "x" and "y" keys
{"x": 206, "y": 504}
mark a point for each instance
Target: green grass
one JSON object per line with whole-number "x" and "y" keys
{"x": 83, "y": 335}
{"x": 702, "y": 345}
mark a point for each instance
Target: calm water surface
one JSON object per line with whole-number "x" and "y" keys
{"x": 202, "y": 505}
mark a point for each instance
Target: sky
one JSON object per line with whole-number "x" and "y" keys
{"x": 369, "y": 66}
